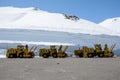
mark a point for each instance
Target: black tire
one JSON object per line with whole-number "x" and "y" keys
{"x": 10, "y": 56}
{"x": 81, "y": 55}
{"x": 65, "y": 55}
{"x": 31, "y": 54}
{"x": 54, "y": 55}
{"x": 112, "y": 54}
{"x": 90, "y": 55}
{"x": 20, "y": 55}
{"x": 45, "y": 56}
{"x": 101, "y": 55}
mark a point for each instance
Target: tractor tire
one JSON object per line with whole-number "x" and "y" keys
{"x": 54, "y": 55}
{"x": 100, "y": 55}
{"x": 111, "y": 55}
{"x": 32, "y": 55}
{"x": 45, "y": 56}
{"x": 90, "y": 55}
{"x": 20, "y": 55}
{"x": 81, "y": 55}
{"x": 64, "y": 55}
{"x": 10, "y": 56}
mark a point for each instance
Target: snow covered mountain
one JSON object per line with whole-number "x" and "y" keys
{"x": 113, "y": 24}
{"x": 33, "y": 18}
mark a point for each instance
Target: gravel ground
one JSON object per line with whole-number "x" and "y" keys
{"x": 60, "y": 69}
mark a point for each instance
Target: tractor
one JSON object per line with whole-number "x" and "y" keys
{"x": 53, "y": 52}
{"x": 84, "y": 52}
{"x": 96, "y": 51}
{"x": 107, "y": 52}
{"x": 21, "y": 52}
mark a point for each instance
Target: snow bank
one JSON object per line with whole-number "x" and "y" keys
{"x": 36, "y": 43}
{"x": 2, "y": 56}
{"x": 2, "y": 53}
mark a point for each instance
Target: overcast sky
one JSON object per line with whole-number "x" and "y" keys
{"x": 92, "y": 10}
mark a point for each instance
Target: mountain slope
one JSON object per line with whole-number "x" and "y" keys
{"x": 33, "y": 18}
{"x": 113, "y": 24}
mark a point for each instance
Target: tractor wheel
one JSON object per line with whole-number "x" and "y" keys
{"x": 101, "y": 55}
{"x": 64, "y": 55}
{"x": 111, "y": 54}
{"x": 10, "y": 56}
{"x": 90, "y": 55}
{"x": 31, "y": 54}
{"x": 54, "y": 55}
{"x": 81, "y": 55}
{"x": 20, "y": 55}
{"x": 45, "y": 56}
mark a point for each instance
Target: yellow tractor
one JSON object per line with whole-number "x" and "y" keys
{"x": 107, "y": 52}
{"x": 45, "y": 53}
{"x": 84, "y": 52}
{"x": 21, "y": 52}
